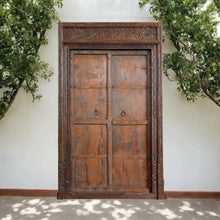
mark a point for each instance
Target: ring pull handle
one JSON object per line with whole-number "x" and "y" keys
{"x": 96, "y": 112}
{"x": 123, "y": 113}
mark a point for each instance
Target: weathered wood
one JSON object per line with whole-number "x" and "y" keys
{"x": 129, "y": 104}
{"x": 89, "y": 172}
{"x": 110, "y": 110}
{"x": 109, "y": 116}
{"x": 129, "y": 173}
{"x": 87, "y": 70}
{"x": 88, "y": 140}
{"x": 123, "y": 69}
{"x": 88, "y": 103}
{"x": 129, "y": 140}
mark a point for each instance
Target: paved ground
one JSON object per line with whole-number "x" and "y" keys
{"x": 49, "y": 208}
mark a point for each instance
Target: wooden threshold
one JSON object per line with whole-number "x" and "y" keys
{"x": 127, "y": 195}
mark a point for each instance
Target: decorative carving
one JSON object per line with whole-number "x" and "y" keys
{"x": 61, "y": 177}
{"x": 154, "y": 128}
{"x": 68, "y": 175}
{"x": 160, "y": 194}
{"x": 110, "y": 34}
{"x": 160, "y": 177}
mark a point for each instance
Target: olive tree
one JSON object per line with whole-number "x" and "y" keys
{"x": 23, "y": 26}
{"x": 191, "y": 25}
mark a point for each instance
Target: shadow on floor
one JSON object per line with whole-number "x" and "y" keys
{"x": 107, "y": 209}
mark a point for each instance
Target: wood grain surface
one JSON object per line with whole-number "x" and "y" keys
{"x": 110, "y": 111}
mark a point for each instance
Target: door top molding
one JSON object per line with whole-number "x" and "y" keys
{"x": 111, "y": 33}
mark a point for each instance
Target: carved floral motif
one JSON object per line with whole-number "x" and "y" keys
{"x": 110, "y": 34}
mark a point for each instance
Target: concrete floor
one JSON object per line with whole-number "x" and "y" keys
{"x": 49, "y": 208}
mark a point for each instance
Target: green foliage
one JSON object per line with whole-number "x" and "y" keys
{"x": 23, "y": 24}
{"x": 192, "y": 27}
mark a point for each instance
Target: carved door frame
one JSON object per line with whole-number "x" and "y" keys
{"x": 111, "y": 36}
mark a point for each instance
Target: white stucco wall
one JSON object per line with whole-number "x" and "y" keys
{"x": 28, "y": 133}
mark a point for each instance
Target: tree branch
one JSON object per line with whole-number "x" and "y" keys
{"x": 209, "y": 96}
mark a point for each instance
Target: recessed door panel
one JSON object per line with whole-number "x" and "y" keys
{"x": 89, "y": 172}
{"x": 129, "y": 104}
{"x": 129, "y": 173}
{"x": 88, "y": 103}
{"x": 129, "y": 70}
{"x": 89, "y": 140}
{"x": 88, "y": 70}
{"x": 129, "y": 141}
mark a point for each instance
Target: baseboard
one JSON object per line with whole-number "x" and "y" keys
{"x": 193, "y": 194}
{"x": 29, "y": 192}
{"x": 53, "y": 193}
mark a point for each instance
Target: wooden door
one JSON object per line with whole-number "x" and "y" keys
{"x": 110, "y": 110}
{"x": 109, "y": 113}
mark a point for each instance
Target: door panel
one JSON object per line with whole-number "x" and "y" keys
{"x": 129, "y": 110}
{"x": 129, "y": 71}
{"x": 88, "y": 103}
{"x": 129, "y": 141}
{"x": 129, "y": 173}
{"x": 89, "y": 172}
{"x": 89, "y": 140}
{"x": 88, "y": 70}
{"x": 108, "y": 110}
{"x": 129, "y": 104}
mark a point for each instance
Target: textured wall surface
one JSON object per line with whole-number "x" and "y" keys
{"x": 28, "y": 133}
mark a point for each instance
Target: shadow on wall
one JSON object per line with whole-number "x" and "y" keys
{"x": 50, "y": 208}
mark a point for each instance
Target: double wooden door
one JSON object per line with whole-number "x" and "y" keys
{"x": 109, "y": 118}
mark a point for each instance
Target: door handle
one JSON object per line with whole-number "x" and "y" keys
{"x": 123, "y": 113}
{"x": 96, "y": 112}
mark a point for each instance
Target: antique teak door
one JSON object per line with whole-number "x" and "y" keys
{"x": 110, "y": 110}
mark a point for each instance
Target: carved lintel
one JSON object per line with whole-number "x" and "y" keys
{"x": 113, "y": 34}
